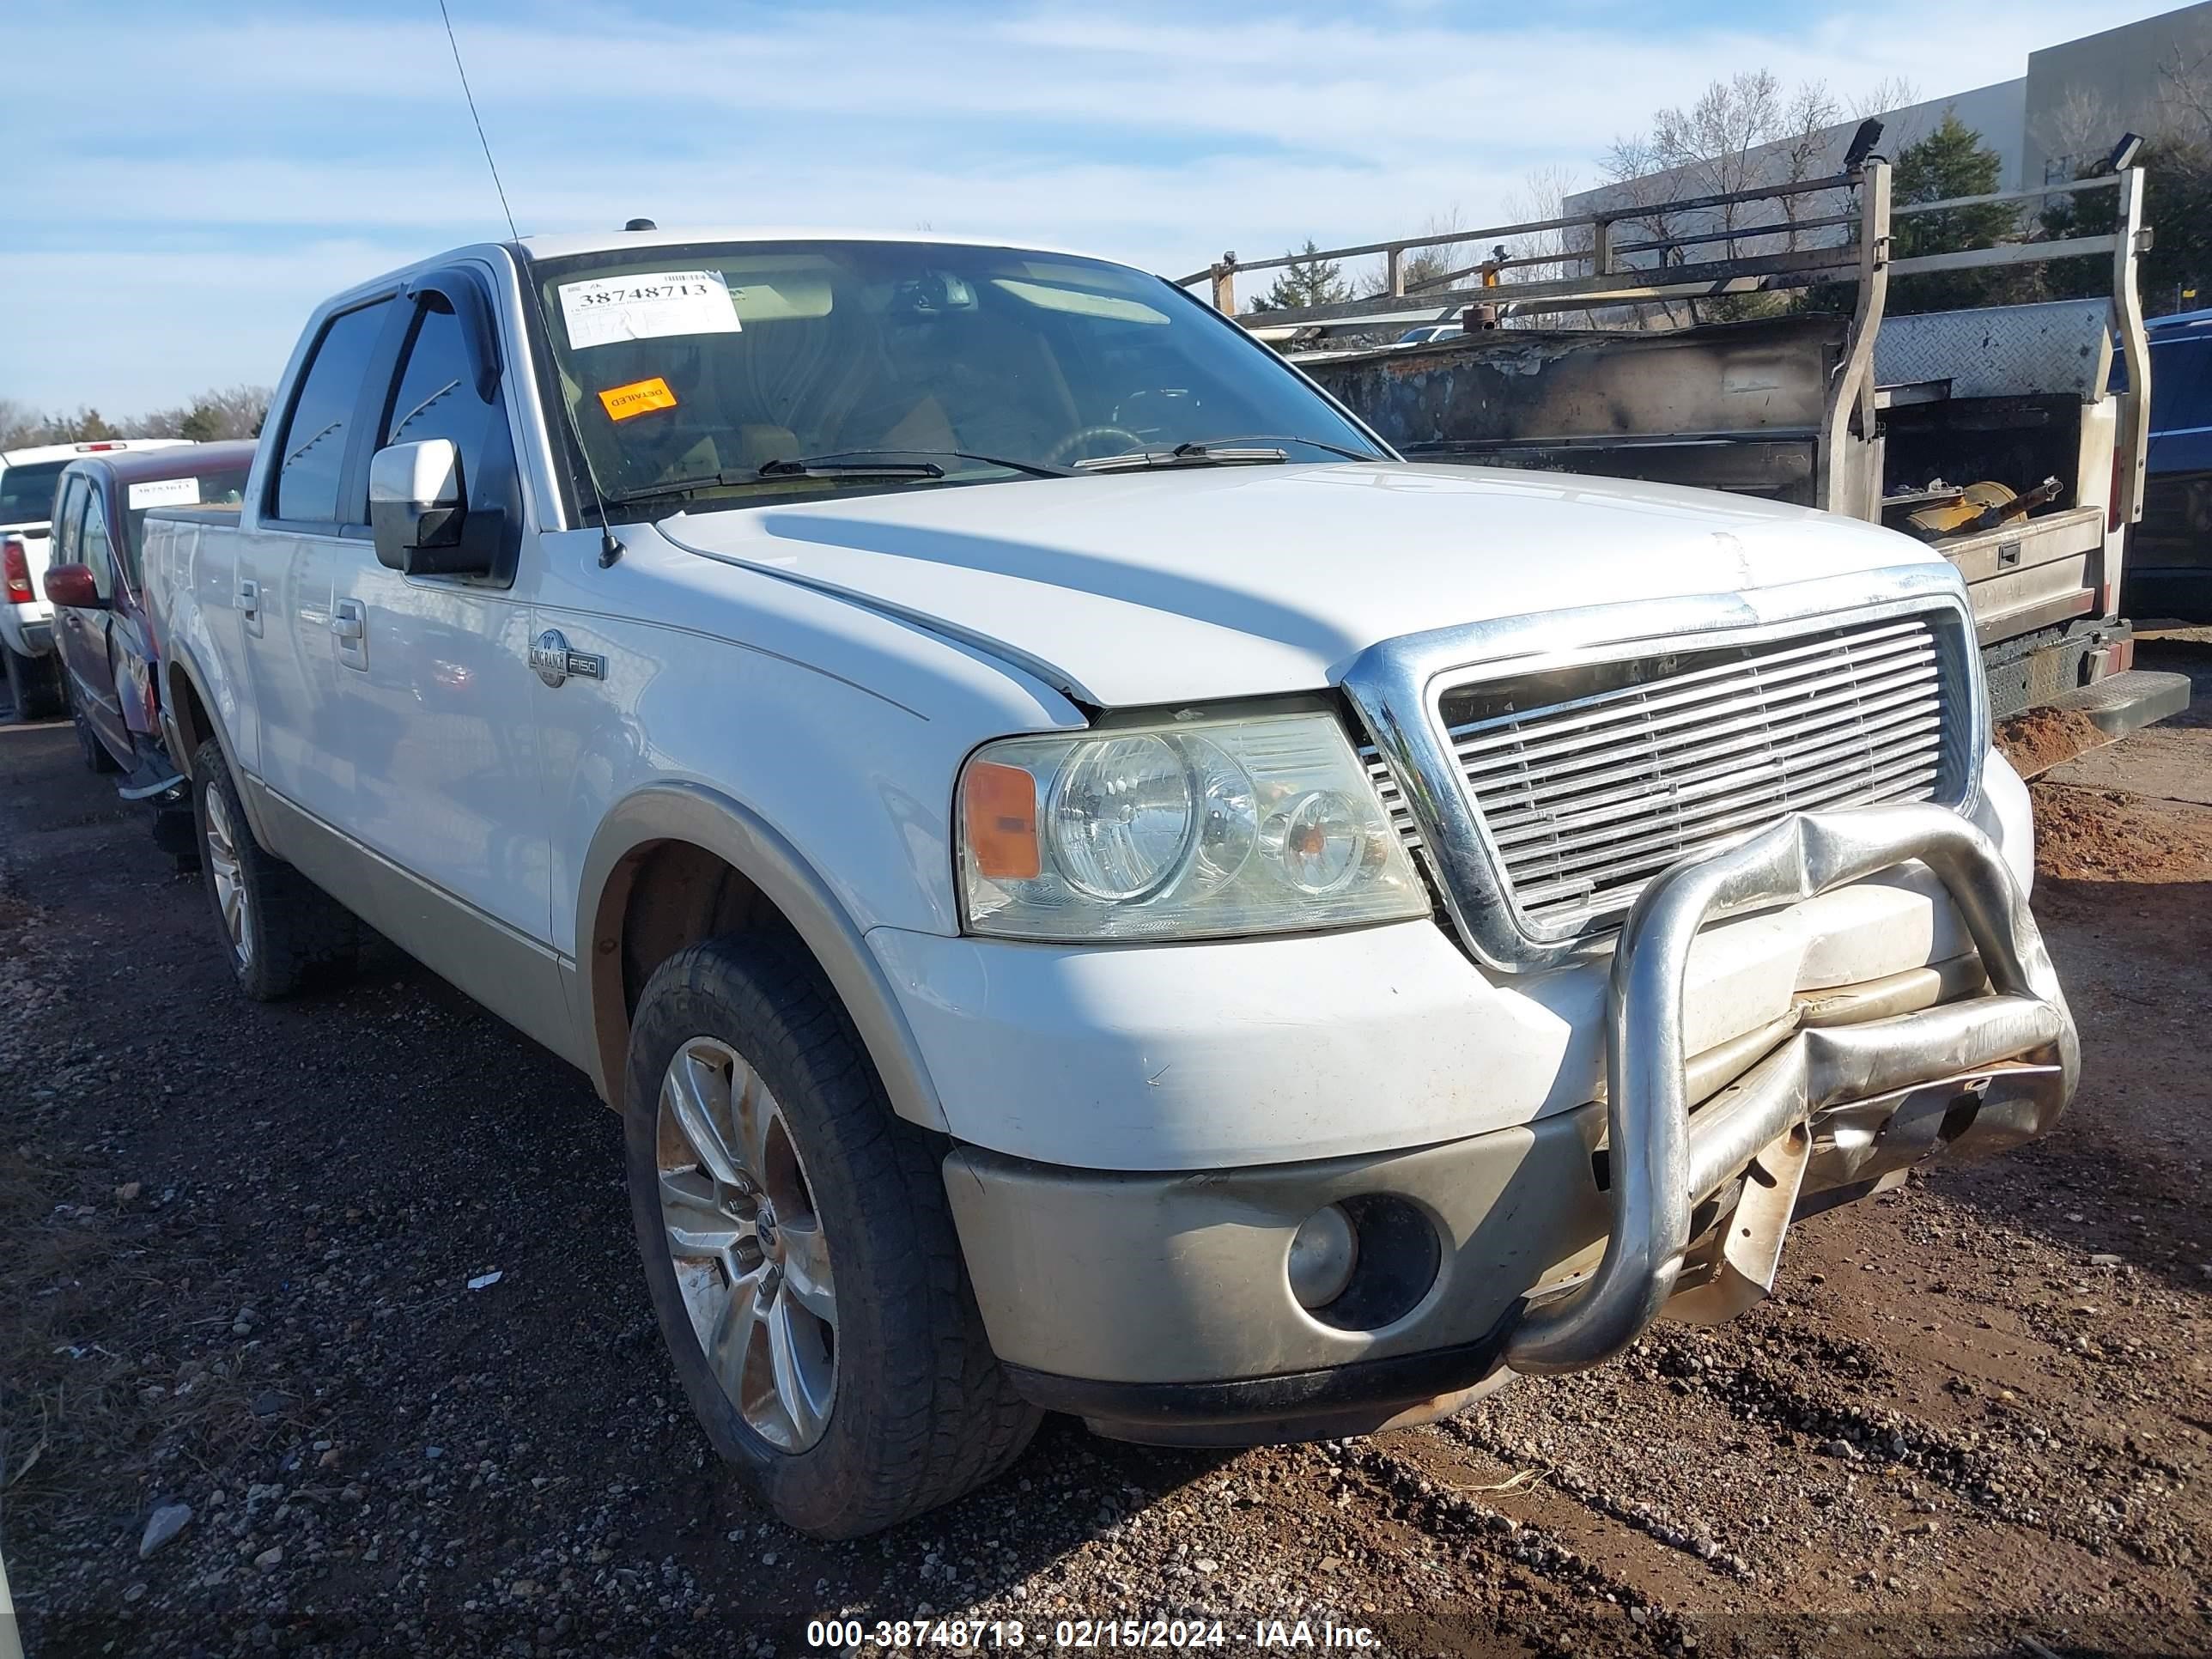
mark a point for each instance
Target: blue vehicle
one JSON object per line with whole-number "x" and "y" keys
{"x": 2168, "y": 572}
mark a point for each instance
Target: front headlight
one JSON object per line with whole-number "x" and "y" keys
{"x": 1188, "y": 830}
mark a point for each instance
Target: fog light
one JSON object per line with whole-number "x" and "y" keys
{"x": 1324, "y": 1252}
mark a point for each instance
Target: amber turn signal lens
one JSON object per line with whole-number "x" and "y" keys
{"x": 1001, "y": 810}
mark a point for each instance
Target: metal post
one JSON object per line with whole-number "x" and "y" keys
{"x": 1842, "y": 488}
{"x": 2130, "y": 239}
{"x": 1224, "y": 284}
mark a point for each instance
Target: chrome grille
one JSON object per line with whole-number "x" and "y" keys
{"x": 1584, "y": 800}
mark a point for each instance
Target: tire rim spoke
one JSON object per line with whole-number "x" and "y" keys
{"x": 698, "y": 1223}
{"x": 224, "y": 867}
{"x": 807, "y": 1277}
{"x": 802, "y": 1379}
{"x": 750, "y": 1257}
{"x": 753, "y": 1116}
{"x": 697, "y": 1092}
{"x": 732, "y": 1340}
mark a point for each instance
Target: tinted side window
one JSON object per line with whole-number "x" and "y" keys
{"x": 97, "y": 550}
{"x": 436, "y": 396}
{"x": 66, "y": 507}
{"x": 311, "y": 463}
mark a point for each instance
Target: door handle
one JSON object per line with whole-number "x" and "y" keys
{"x": 349, "y": 620}
{"x": 249, "y": 596}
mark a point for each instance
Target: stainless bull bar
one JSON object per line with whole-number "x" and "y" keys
{"x": 1664, "y": 1159}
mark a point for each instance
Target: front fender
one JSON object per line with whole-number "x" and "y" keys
{"x": 689, "y": 812}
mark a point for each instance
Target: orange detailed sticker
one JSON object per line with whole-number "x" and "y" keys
{"x": 624, "y": 403}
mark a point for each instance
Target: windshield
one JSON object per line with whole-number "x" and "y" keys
{"x": 687, "y": 369}
{"x": 26, "y": 492}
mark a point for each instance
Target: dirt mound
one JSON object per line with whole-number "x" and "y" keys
{"x": 2041, "y": 738}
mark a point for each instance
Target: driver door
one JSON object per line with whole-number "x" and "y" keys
{"x": 81, "y": 536}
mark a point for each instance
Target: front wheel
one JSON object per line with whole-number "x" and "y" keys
{"x": 96, "y": 756}
{"x": 800, "y": 1251}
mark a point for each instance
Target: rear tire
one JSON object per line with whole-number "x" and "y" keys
{"x": 856, "y": 1398}
{"x": 282, "y": 933}
{"x": 35, "y": 683}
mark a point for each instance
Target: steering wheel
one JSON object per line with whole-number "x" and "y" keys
{"x": 1068, "y": 447}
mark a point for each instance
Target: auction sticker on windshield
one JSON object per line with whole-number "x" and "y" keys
{"x": 649, "y": 306}
{"x": 638, "y": 398}
{"x": 166, "y": 492}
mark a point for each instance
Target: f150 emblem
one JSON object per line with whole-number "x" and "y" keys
{"x": 555, "y": 662}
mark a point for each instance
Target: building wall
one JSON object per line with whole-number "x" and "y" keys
{"x": 2113, "y": 77}
{"x": 1995, "y": 112}
{"x": 1998, "y": 113}
{"x": 2035, "y": 123}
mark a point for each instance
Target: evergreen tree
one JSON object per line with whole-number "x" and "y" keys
{"x": 1308, "y": 280}
{"x": 1949, "y": 162}
{"x": 2176, "y": 274}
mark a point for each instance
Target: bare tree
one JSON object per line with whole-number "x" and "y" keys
{"x": 1891, "y": 100}
{"x": 1425, "y": 265}
{"x": 1742, "y": 133}
{"x": 2083, "y": 126}
{"x": 1887, "y": 96}
{"x": 2185, "y": 95}
{"x": 1634, "y": 165}
{"x": 1716, "y": 146}
{"x": 19, "y": 423}
{"x": 1420, "y": 267}
{"x": 1557, "y": 253}
{"x": 228, "y": 412}
{"x": 1802, "y": 152}
{"x": 232, "y": 412}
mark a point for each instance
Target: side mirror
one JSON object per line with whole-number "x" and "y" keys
{"x": 417, "y": 506}
{"x": 71, "y": 587}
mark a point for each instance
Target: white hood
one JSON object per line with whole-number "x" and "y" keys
{"x": 1206, "y": 584}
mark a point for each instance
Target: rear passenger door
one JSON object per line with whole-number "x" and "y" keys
{"x": 315, "y": 512}
{"x": 434, "y": 671}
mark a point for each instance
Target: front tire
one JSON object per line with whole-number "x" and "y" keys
{"x": 283, "y": 933}
{"x": 800, "y": 1251}
{"x": 97, "y": 760}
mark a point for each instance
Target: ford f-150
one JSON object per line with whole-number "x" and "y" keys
{"x": 1094, "y": 885}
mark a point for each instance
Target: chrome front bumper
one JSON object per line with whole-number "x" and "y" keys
{"x": 2012, "y": 1052}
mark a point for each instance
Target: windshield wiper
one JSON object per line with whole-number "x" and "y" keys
{"x": 1344, "y": 450}
{"x": 829, "y": 466}
{"x": 1183, "y": 455}
{"x": 1034, "y": 469}
{"x": 771, "y": 472}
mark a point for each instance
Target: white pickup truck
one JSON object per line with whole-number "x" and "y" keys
{"x": 1094, "y": 885}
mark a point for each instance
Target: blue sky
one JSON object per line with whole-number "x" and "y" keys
{"x": 190, "y": 179}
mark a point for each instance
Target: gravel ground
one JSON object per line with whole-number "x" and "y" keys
{"x": 247, "y": 1259}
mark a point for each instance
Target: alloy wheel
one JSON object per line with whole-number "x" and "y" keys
{"x": 751, "y": 1257}
{"x": 229, "y": 874}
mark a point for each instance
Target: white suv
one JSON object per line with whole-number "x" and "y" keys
{"x": 28, "y": 479}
